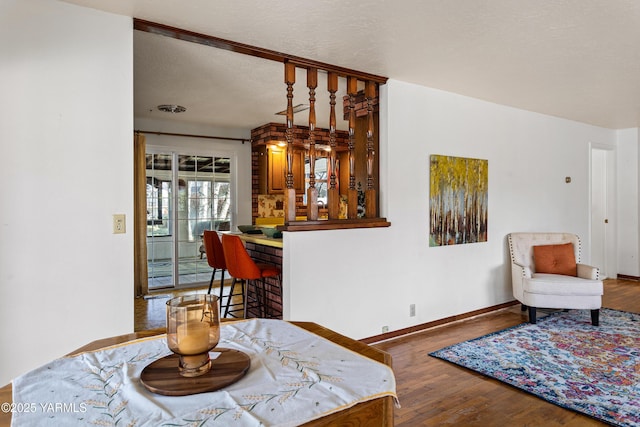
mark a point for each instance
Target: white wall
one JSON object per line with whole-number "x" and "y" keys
{"x": 628, "y": 214}
{"x": 238, "y": 151}
{"x": 358, "y": 281}
{"x": 66, "y": 129}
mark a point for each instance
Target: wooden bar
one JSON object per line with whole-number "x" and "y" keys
{"x": 212, "y": 41}
{"x": 312, "y": 191}
{"x": 191, "y": 135}
{"x": 352, "y": 192}
{"x": 273, "y": 131}
{"x": 371, "y": 208}
{"x": 289, "y": 191}
{"x": 333, "y": 191}
{"x": 260, "y": 239}
{"x": 335, "y": 224}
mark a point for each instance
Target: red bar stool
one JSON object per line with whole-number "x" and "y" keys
{"x": 243, "y": 268}
{"x": 215, "y": 257}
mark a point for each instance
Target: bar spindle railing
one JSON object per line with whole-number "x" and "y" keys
{"x": 352, "y": 192}
{"x": 362, "y": 157}
{"x": 289, "y": 191}
{"x": 333, "y": 191}
{"x": 370, "y": 192}
{"x": 312, "y": 191}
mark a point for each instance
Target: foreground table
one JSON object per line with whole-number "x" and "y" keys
{"x": 375, "y": 412}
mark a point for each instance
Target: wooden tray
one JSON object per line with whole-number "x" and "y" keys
{"x": 162, "y": 376}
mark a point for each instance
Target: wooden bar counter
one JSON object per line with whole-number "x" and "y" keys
{"x": 261, "y": 239}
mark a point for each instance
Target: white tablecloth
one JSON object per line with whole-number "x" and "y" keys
{"x": 295, "y": 377}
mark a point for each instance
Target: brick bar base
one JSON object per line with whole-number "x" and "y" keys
{"x": 267, "y": 255}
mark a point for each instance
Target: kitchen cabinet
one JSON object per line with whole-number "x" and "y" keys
{"x": 273, "y": 167}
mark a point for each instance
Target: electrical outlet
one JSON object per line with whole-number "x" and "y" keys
{"x": 412, "y": 310}
{"x": 119, "y": 224}
{"x": 385, "y": 329}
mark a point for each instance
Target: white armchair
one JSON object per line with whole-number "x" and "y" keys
{"x": 547, "y": 290}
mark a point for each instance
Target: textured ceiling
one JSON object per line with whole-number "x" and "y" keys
{"x": 217, "y": 86}
{"x": 577, "y": 59}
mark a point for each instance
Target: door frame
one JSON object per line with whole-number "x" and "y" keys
{"x": 175, "y": 151}
{"x": 610, "y": 235}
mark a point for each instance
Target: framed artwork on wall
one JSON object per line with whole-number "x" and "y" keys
{"x": 458, "y": 197}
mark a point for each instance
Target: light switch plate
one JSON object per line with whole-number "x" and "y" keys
{"x": 119, "y": 224}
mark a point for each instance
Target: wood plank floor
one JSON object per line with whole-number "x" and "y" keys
{"x": 150, "y": 311}
{"x": 433, "y": 392}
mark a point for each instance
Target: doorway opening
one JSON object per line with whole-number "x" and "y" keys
{"x": 186, "y": 194}
{"x": 602, "y": 195}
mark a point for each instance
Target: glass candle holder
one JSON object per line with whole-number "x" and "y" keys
{"x": 193, "y": 329}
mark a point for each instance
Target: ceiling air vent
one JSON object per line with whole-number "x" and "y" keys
{"x": 170, "y": 108}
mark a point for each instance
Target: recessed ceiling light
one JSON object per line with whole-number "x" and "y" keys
{"x": 171, "y": 108}
{"x": 296, "y": 109}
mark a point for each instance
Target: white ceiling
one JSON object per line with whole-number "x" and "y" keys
{"x": 577, "y": 59}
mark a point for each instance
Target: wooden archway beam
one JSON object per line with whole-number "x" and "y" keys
{"x": 204, "y": 39}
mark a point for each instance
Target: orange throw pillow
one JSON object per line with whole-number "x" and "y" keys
{"x": 555, "y": 259}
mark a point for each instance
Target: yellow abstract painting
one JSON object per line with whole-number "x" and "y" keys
{"x": 458, "y": 197}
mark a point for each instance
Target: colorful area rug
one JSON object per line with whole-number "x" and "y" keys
{"x": 565, "y": 360}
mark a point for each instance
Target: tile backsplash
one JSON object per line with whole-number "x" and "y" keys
{"x": 270, "y": 205}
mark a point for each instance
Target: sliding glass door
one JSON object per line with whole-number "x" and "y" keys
{"x": 186, "y": 194}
